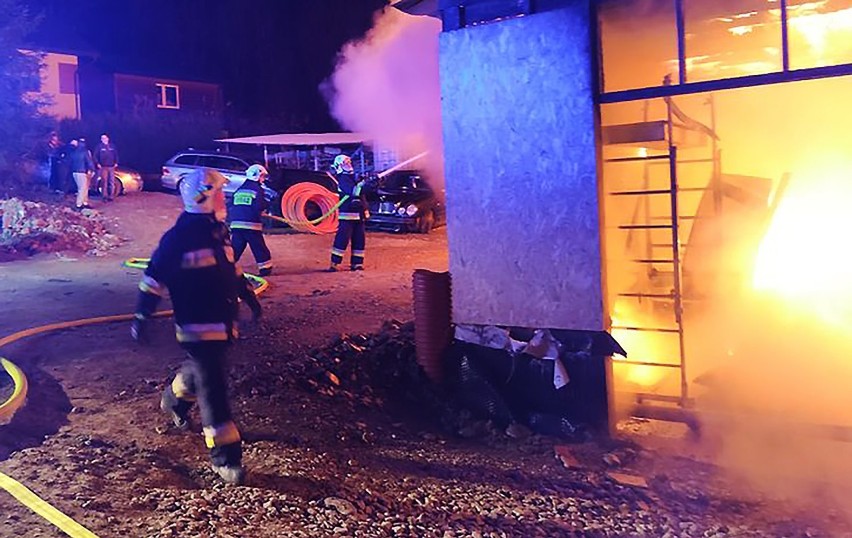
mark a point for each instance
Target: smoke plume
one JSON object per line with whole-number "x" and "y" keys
{"x": 386, "y": 86}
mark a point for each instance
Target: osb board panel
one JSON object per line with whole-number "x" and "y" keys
{"x": 520, "y": 164}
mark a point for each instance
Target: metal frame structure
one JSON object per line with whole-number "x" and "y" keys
{"x": 666, "y": 91}
{"x": 675, "y": 294}
{"x": 684, "y": 87}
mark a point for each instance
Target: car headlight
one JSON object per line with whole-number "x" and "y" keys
{"x": 411, "y": 210}
{"x": 400, "y": 211}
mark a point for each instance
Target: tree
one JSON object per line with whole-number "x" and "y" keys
{"x": 22, "y": 126}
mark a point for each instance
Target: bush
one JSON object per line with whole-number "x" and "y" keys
{"x": 24, "y": 131}
{"x": 146, "y": 140}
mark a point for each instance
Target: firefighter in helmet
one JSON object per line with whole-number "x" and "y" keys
{"x": 244, "y": 217}
{"x": 194, "y": 262}
{"x": 352, "y": 216}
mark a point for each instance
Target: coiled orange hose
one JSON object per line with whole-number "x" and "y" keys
{"x": 294, "y": 203}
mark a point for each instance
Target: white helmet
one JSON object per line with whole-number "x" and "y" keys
{"x": 197, "y": 190}
{"x": 342, "y": 163}
{"x": 256, "y": 172}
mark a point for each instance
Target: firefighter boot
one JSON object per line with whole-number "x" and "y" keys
{"x": 225, "y": 462}
{"x": 230, "y": 474}
{"x": 176, "y": 409}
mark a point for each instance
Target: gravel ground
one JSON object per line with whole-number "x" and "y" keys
{"x": 358, "y": 453}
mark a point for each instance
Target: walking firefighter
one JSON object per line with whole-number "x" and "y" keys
{"x": 194, "y": 262}
{"x": 245, "y": 211}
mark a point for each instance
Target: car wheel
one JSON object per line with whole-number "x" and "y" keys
{"x": 426, "y": 223}
{"x": 120, "y": 188}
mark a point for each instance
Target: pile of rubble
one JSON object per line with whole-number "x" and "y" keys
{"x": 381, "y": 371}
{"x": 378, "y": 370}
{"x": 30, "y": 228}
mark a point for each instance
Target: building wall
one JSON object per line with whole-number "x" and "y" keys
{"x": 59, "y": 84}
{"x": 521, "y": 172}
{"x": 135, "y": 93}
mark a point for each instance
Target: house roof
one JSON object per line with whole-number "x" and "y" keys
{"x": 300, "y": 139}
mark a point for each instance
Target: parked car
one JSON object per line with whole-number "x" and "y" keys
{"x": 405, "y": 202}
{"x": 127, "y": 180}
{"x": 231, "y": 166}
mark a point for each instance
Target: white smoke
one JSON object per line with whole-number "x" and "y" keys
{"x": 386, "y": 86}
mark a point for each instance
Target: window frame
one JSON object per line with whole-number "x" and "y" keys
{"x": 162, "y": 88}
{"x": 684, "y": 87}
{"x": 67, "y": 74}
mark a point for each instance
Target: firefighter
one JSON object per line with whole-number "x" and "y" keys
{"x": 351, "y": 216}
{"x": 244, "y": 217}
{"x": 194, "y": 262}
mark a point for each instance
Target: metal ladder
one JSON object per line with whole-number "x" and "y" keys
{"x": 673, "y": 248}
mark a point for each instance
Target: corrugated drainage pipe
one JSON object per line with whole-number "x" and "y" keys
{"x": 432, "y": 320}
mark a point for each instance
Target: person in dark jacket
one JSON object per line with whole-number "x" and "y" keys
{"x": 106, "y": 159}
{"x": 244, "y": 217}
{"x": 54, "y": 152}
{"x": 195, "y": 263}
{"x": 352, "y": 215}
{"x": 81, "y": 166}
{"x": 62, "y": 169}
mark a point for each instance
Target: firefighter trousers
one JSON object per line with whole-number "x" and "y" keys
{"x": 201, "y": 380}
{"x": 254, "y": 239}
{"x": 347, "y": 230}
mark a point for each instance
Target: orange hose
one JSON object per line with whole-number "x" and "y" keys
{"x": 293, "y": 208}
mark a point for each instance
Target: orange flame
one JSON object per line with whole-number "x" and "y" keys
{"x": 804, "y": 258}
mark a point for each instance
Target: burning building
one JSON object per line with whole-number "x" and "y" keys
{"x": 674, "y": 172}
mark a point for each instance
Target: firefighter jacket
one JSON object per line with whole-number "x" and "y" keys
{"x": 246, "y": 207}
{"x": 195, "y": 263}
{"x": 353, "y": 207}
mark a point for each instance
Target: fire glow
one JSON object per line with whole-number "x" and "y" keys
{"x": 803, "y": 258}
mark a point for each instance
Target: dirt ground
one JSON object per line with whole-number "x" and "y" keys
{"x": 92, "y": 442}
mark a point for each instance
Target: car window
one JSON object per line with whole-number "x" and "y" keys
{"x": 186, "y": 160}
{"x": 236, "y": 165}
{"x": 405, "y": 180}
{"x": 223, "y": 163}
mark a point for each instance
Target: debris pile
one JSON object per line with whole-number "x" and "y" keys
{"x": 381, "y": 371}
{"x": 30, "y": 228}
{"x": 375, "y": 370}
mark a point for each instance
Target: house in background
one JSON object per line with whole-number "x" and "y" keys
{"x": 107, "y": 91}
{"x": 59, "y": 82}
{"x": 60, "y": 85}
{"x": 77, "y": 83}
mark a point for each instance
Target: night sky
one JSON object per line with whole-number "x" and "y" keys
{"x": 269, "y": 55}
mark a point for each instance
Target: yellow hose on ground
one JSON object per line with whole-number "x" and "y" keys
{"x": 19, "y": 394}
{"x": 40, "y": 507}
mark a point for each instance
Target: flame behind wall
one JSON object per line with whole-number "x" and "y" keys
{"x": 769, "y": 344}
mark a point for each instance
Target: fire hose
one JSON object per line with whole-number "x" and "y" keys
{"x": 19, "y": 394}
{"x": 294, "y": 203}
{"x": 295, "y": 200}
